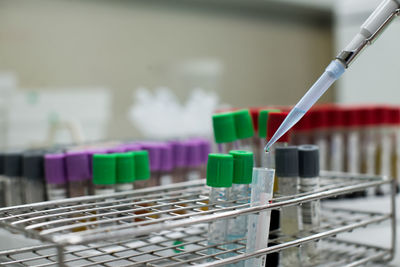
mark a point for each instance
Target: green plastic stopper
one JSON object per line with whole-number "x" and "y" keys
{"x": 219, "y": 170}
{"x": 104, "y": 169}
{"x": 224, "y": 127}
{"x": 243, "y": 124}
{"x": 243, "y": 162}
{"x": 142, "y": 164}
{"x": 125, "y": 168}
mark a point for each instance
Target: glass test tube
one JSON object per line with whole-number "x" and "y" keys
{"x": 244, "y": 130}
{"x": 125, "y": 171}
{"x": 13, "y": 179}
{"x": 166, "y": 164}
{"x": 262, "y": 134}
{"x": 335, "y": 121}
{"x": 219, "y": 179}
{"x": 179, "y": 151}
{"x": 56, "y": 180}
{"x": 90, "y": 153}
{"x": 205, "y": 150}
{"x": 193, "y": 160}
{"x": 287, "y": 174}
{"x": 319, "y": 120}
{"x": 2, "y": 181}
{"x": 78, "y": 174}
{"x": 258, "y": 225}
{"x": 243, "y": 162}
{"x": 310, "y": 211}
{"x": 155, "y": 163}
{"x": 33, "y": 173}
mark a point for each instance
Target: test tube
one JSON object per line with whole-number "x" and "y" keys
{"x": 395, "y": 135}
{"x": 205, "y": 150}
{"x": 336, "y": 137}
{"x": 219, "y": 179}
{"x": 104, "y": 172}
{"x": 262, "y": 133}
{"x": 78, "y": 174}
{"x": 275, "y": 119}
{"x": 255, "y": 112}
{"x": 352, "y": 119}
{"x": 368, "y": 140}
{"x": 193, "y": 160}
{"x": 125, "y": 171}
{"x": 166, "y": 165}
{"x": 56, "y": 180}
{"x": 2, "y": 181}
{"x": 319, "y": 120}
{"x": 310, "y": 211}
{"x": 258, "y": 225}
{"x": 33, "y": 173}
{"x": 224, "y": 131}
{"x": 90, "y": 153}
{"x": 287, "y": 174}
{"x": 244, "y": 130}
{"x": 179, "y": 150}
{"x": 302, "y": 131}
{"x": 384, "y": 150}
{"x": 142, "y": 168}
{"x": 154, "y": 151}
{"x": 13, "y": 182}
{"x": 243, "y": 162}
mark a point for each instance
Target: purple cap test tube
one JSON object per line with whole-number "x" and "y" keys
{"x": 54, "y": 168}
{"x": 194, "y": 154}
{"x": 166, "y": 164}
{"x": 179, "y": 153}
{"x": 78, "y": 174}
{"x": 154, "y": 150}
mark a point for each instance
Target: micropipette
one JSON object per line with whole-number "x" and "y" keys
{"x": 370, "y": 30}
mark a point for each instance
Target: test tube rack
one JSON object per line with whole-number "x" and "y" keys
{"x": 167, "y": 226}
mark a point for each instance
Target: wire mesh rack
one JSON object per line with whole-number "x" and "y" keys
{"x": 167, "y": 226}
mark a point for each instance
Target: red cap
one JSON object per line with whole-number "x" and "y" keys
{"x": 318, "y": 118}
{"x": 351, "y": 116}
{"x": 368, "y": 116}
{"x": 334, "y": 116}
{"x": 275, "y": 120}
{"x": 254, "y": 112}
{"x": 394, "y": 116}
{"x": 382, "y": 115}
{"x": 304, "y": 124}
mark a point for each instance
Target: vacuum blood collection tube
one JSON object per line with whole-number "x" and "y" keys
{"x": 33, "y": 173}
{"x": 368, "y": 121}
{"x": 90, "y": 153}
{"x": 125, "y": 171}
{"x": 302, "y": 131}
{"x": 274, "y": 121}
{"x": 56, "y": 180}
{"x": 310, "y": 211}
{"x": 224, "y": 131}
{"x": 335, "y": 121}
{"x": 351, "y": 117}
{"x": 104, "y": 172}
{"x": 142, "y": 168}
{"x": 319, "y": 121}
{"x": 2, "y": 181}
{"x": 205, "y": 150}
{"x": 78, "y": 174}
{"x": 13, "y": 181}
{"x": 395, "y": 136}
{"x": 219, "y": 179}
{"x": 287, "y": 175}
{"x": 179, "y": 149}
{"x": 244, "y": 129}
{"x": 193, "y": 160}
{"x": 166, "y": 165}
{"x": 240, "y": 194}
{"x": 155, "y": 162}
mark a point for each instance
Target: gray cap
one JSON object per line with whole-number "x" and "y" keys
{"x": 308, "y": 161}
{"x": 286, "y": 161}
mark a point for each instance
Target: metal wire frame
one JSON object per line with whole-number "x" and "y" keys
{"x": 162, "y": 250}
{"x": 98, "y": 218}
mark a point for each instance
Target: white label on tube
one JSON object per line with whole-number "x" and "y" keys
{"x": 337, "y": 152}
{"x": 353, "y": 152}
{"x": 124, "y": 187}
{"x": 105, "y": 191}
{"x": 166, "y": 179}
{"x": 56, "y": 194}
{"x": 385, "y": 155}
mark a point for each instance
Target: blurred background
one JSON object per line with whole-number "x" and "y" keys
{"x": 97, "y": 66}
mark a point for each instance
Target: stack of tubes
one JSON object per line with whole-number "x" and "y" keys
{"x": 56, "y": 173}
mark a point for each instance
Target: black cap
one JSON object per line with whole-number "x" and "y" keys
{"x": 308, "y": 161}
{"x": 33, "y": 165}
{"x": 286, "y": 161}
{"x": 1, "y": 163}
{"x": 12, "y": 164}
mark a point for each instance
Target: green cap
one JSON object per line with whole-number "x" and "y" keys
{"x": 125, "y": 168}
{"x": 224, "y": 127}
{"x": 263, "y": 120}
{"x": 104, "y": 169}
{"x": 219, "y": 170}
{"x": 142, "y": 165}
{"x": 243, "y": 124}
{"x": 243, "y": 162}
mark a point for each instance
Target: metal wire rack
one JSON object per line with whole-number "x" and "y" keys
{"x": 167, "y": 226}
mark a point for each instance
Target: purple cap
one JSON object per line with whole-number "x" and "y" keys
{"x": 167, "y": 157}
{"x": 54, "y": 169}
{"x": 194, "y": 155}
{"x": 132, "y": 147}
{"x": 116, "y": 149}
{"x": 91, "y": 152}
{"x": 77, "y": 165}
{"x": 154, "y": 154}
{"x": 205, "y": 150}
{"x": 179, "y": 153}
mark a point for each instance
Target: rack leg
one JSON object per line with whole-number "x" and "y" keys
{"x": 60, "y": 256}
{"x": 393, "y": 219}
